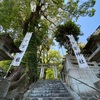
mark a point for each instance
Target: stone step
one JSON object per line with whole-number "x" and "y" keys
{"x": 49, "y": 98}
{"x": 49, "y": 85}
{"x": 48, "y": 81}
{"x": 90, "y": 98}
{"x": 50, "y": 95}
{"x": 44, "y": 88}
{"x": 48, "y": 91}
{"x": 46, "y": 85}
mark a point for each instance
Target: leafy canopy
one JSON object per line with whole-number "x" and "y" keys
{"x": 69, "y": 28}
{"x": 16, "y": 15}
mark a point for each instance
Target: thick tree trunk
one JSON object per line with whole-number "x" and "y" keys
{"x": 15, "y": 84}
{"x": 32, "y": 59}
{"x": 16, "y": 77}
{"x": 16, "y": 74}
{"x": 29, "y": 26}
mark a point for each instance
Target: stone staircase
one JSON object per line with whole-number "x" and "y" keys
{"x": 90, "y": 96}
{"x": 48, "y": 90}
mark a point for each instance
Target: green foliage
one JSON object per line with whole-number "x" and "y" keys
{"x": 5, "y": 64}
{"x": 49, "y": 73}
{"x": 67, "y": 29}
{"x": 44, "y": 48}
{"x": 76, "y": 9}
{"x": 14, "y": 14}
{"x": 31, "y": 60}
{"x": 53, "y": 58}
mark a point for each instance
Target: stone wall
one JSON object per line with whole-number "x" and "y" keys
{"x": 97, "y": 84}
{"x": 4, "y": 86}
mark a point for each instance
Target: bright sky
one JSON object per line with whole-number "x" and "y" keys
{"x": 90, "y": 24}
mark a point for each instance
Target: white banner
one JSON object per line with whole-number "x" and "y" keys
{"x": 79, "y": 56}
{"x": 18, "y": 57}
{"x": 55, "y": 72}
{"x": 42, "y": 72}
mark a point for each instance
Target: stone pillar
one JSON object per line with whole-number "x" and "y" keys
{"x": 97, "y": 84}
{"x": 42, "y": 72}
{"x": 55, "y": 72}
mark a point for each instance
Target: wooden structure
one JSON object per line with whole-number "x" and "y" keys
{"x": 93, "y": 46}
{"x": 7, "y": 47}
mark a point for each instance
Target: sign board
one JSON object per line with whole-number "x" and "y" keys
{"x": 79, "y": 56}
{"x": 18, "y": 57}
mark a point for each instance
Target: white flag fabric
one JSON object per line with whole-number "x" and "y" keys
{"x": 79, "y": 56}
{"x": 55, "y": 72}
{"x": 18, "y": 57}
{"x": 42, "y": 72}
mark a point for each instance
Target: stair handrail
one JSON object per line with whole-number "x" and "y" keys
{"x": 82, "y": 82}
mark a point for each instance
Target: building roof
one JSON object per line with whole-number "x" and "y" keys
{"x": 92, "y": 47}
{"x": 9, "y": 42}
{"x": 92, "y": 40}
{"x": 96, "y": 33}
{"x": 4, "y": 56}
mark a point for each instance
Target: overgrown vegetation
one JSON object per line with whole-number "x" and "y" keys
{"x": 68, "y": 28}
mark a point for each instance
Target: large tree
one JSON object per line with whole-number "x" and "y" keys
{"x": 16, "y": 18}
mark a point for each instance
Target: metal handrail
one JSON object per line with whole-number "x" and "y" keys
{"x": 83, "y": 82}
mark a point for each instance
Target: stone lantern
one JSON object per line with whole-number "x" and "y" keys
{"x": 7, "y": 47}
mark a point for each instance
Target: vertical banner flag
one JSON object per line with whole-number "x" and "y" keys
{"x": 79, "y": 56}
{"x": 18, "y": 57}
{"x": 55, "y": 72}
{"x": 42, "y": 72}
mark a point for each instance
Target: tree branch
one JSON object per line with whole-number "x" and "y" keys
{"x": 54, "y": 2}
{"x": 57, "y": 4}
{"x": 49, "y": 20}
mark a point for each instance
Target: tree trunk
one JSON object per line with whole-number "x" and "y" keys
{"x": 15, "y": 84}
{"x": 32, "y": 60}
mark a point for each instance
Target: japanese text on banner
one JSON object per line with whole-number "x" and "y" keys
{"x": 18, "y": 57}
{"x": 79, "y": 56}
